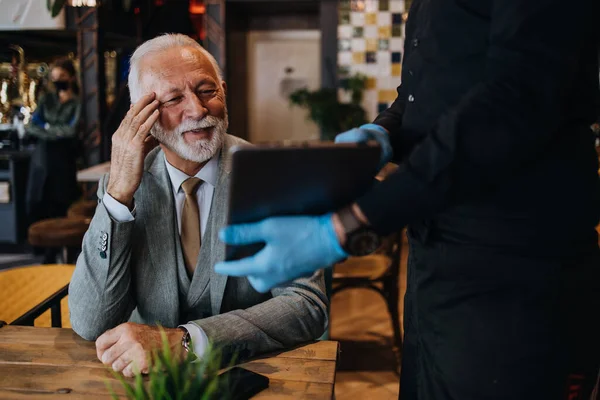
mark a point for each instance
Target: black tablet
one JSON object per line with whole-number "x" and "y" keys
{"x": 304, "y": 179}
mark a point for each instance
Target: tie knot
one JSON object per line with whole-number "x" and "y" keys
{"x": 190, "y": 185}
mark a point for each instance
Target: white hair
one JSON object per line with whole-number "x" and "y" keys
{"x": 156, "y": 45}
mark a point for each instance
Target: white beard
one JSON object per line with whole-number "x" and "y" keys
{"x": 201, "y": 150}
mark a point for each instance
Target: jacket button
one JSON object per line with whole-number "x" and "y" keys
{"x": 411, "y": 98}
{"x": 415, "y": 42}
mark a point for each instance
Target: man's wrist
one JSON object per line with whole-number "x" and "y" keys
{"x": 198, "y": 339}
{"x": 175, "y": 337}
{"x": 123, "y": 198}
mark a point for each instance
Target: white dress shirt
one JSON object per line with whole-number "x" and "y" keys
{"x": 204, "y": 194}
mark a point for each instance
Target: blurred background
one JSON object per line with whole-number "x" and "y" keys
{"x": 296, "y": 70}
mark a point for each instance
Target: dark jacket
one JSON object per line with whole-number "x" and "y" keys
{"x": 491, "y": 125}
{"x": 52, "y": 184}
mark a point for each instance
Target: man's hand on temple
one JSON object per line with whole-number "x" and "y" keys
{"x": 294, "y": 247}
{"x": 370, "y": 132}
{"x": 130, "y": 145}
{"x": 127, "y": 348}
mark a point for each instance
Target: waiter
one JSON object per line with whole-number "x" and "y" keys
{"x": 498, "y": 186}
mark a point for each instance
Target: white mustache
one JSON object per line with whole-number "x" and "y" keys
{"x": 191, "y": 125}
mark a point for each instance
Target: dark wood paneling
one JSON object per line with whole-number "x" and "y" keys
{"x": 236, "y": 78}
{"x": 328, "y": 22}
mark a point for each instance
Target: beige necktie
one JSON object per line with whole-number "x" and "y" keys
{"x": 190, "y": 224}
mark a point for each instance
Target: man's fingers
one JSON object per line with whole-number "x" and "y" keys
{"x": 143, "y": 103}
{"x": 144, "y": 129}
{"x": 138, "y": 364}
{"x": 143, "y": 116}
{"x": 128, "y": 371}
{"x": 123, "y": 361}
{"x": 134, "y": 110}
{"x": 107, "y": 339}
{"x": 245, "y": 267}
{"x": 135, "y": 357}
{"x": 110, "y": 355}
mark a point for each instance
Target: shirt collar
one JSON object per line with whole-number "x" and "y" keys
{"x": 208, "y": 173}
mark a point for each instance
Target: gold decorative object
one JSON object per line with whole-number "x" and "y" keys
{"x": 20, "y": 85}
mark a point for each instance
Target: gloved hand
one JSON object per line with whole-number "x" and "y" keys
{"x": 369, "y": 132}
{"x": 294, "y": 247}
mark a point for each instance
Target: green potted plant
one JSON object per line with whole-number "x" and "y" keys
{"x": 328, "y": 112}
{"x": 171, "y": 378}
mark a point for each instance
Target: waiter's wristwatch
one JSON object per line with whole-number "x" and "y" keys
{"x": 361, "y": 239}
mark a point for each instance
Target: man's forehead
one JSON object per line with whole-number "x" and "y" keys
{"x": 163, "y": 70}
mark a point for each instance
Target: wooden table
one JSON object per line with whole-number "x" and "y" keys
{"x": 93, "y": 174}
{"x": 55, "y": 363}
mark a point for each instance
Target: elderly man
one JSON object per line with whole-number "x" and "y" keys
{"x": 148, "y": 255}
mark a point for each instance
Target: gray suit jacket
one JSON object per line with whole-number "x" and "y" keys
{"x": 129, "y": 272}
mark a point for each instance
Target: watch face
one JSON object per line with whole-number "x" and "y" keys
{"x": 363, "y": 242}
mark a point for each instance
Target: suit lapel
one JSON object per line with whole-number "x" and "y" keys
{"x": 219, "y": 207}
{"x": 156, "y": 201}
{"x": 218, "y": 221}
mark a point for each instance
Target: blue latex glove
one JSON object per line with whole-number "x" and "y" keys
{"x": 294, "y": 247}
{"x": 370, "y": 132}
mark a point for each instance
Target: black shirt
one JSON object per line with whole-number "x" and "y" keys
{"x": 492, "y": 124}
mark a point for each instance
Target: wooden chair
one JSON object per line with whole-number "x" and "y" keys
{"x": 28, "y": 292}
{"x": 379, "y": 272}
{"x": 64, "y": 233}
{"x": 82, "y": 208}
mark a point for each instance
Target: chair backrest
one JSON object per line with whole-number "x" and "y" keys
{"x": 394, "y": 251}
{"x": 391, "y": 247}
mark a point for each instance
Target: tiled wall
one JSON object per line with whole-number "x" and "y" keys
{"x": 371, "y": 41}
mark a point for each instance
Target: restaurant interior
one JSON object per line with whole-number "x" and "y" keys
{"x": 344, "y": 57}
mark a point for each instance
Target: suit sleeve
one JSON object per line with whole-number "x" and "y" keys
{"x": 297, "y": 313}
{"x": 100, "y": 292}
{"x": 501, "y": 124}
